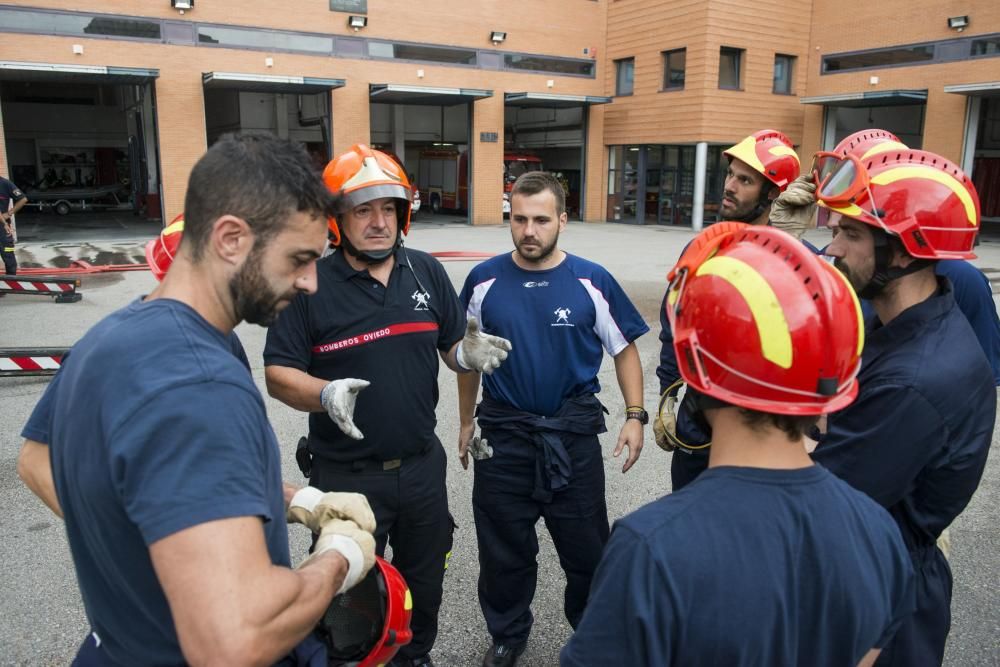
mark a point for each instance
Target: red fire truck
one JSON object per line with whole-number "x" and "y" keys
{"x": 444, "y": 177}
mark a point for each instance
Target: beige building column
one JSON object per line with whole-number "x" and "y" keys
{"x": 183, "y": 139}
{"x": 487, "y": 161}
{"x": 596, "y": 169}
{"x": 351, "y": 116}
{"x": 944, "y": 123}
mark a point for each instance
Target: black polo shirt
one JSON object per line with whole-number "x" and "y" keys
{"x": 354, "y": 327}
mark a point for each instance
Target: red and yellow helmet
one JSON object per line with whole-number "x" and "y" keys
{"x": 368, "y": 624}
{"x": 864, "y": 144}
{"x": 160, "y": 252}
{"x": 771, "y": 153}
{"x": 363, "y": 174}
{"x": 919, "y": 196}
{"x": 761, "y": 322}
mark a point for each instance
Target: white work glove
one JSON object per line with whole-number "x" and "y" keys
{"x": 480, "y": 449}
{"x": 345, "y": 523}
{"x": 481, "y": 352}
{"x": 795, "y": 208}
{"x": 339, "y": 398}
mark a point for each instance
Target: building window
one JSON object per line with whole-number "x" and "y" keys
{"x": 674, "y": 66}
{"x": 551, "y": 64}
{"x": 268, "y": 40}
{"x": 988, "y": 46}
{"x": 624, "y": 76}
{"x": 82, "y": 25}
{"x": 730, "y": 68}
{"x": 784, "y": 70}
{"x": 912, "y": 55}
{"x": 433, "y": 54}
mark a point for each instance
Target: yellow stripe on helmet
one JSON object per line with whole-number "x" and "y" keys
{"x": 174, "y": 227}
{"x": 768, "y": 315}
{"x": 746, "y": 150}
{"x": 932, "y": 174}
{"x": 884, "y": 147}
{"x": 782, "y": 149}
{"x": 408, "y": 601}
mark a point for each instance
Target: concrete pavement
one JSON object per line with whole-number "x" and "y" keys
{"x": 42, "y": 617}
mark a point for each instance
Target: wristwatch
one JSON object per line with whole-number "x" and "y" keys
{"x": 637, "y": 413}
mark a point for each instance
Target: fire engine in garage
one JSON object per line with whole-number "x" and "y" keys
{"x": 444, "y": 177}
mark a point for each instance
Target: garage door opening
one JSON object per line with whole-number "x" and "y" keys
{"x": 548, "y": 132}
{"x": 296, "y": 108}
{"x": 81, "y": 144}
{"x": 427, "y": 130}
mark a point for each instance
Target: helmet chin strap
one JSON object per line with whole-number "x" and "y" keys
{"x": 885, "y": 274}
{"x": 371, "y": 257}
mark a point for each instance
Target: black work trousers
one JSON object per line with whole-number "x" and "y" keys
{"x": 410, "y": 503}
{"x": 506, "y": 511}
{"x": 7, "y": 252}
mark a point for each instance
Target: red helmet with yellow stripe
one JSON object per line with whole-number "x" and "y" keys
{"x": 918, "y": 196}
{"x": 864, "y": 144}
{"x": 363, "y": 174}
{"x": 761, "y": 322}
{"x": 771, "y": 153}
{"x": 160, "y": 252}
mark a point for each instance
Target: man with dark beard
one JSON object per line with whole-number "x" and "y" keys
{"x": 153, "y": 441}
{"x": 382, "y": 318}
{"x": 917, "y": 437}
{"x": 763, "y": 167}
{"x": 539, "y": 454}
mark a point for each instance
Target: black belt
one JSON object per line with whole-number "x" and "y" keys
{"x": 366, "y": 465}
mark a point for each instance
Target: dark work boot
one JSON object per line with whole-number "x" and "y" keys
{"x": 502, "y": 655}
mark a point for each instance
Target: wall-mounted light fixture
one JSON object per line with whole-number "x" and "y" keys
{"x": 357, "y": 22}
{"x": 958, "y": 23}
{"x": 497, "y": 36}
{"x": 181, "y": 5}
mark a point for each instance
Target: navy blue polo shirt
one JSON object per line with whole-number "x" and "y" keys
{"x": 354, "y": 327}
{"x": 917, "y": 436}
{"x": 747, "y": 566}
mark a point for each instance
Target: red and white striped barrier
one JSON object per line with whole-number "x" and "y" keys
{"x": 36, "y": 361}
{"x": 63, "y": 289}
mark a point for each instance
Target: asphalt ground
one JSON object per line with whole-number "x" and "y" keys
{"x": 41, "y": 616}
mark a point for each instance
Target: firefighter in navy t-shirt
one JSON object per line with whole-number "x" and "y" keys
{"x": 380, "y": 321}
{"x": 539, "y": 412}
{"x": 766, "y": 558}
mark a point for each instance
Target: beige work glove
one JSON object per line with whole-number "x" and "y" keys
{"x": 314, "y": 508}
{"x": 944, "y": 543}
{"x": 357, "y": 546}
{"x": 481, "y": 352}
{"x": 665, "y": 422}
{"x": 794, "y": 210}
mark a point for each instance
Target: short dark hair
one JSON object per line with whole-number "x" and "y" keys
{"x": 532, "y": 182}
{"x": 794, "y": 427}
{"x": 256, "y": 177}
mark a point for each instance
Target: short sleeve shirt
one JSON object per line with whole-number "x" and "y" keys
{"x": 560, "y": 322}
{"x": 154, "y": 426}
{"x": 747, "y": 567}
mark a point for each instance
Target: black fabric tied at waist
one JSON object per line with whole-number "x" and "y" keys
{"x": 583, "y": 415}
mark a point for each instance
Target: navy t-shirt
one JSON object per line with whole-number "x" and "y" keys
{"x": 748, "y": 566}
{"x": 154, "y": 426}
{"x": 355, "y": 327}
{"x": 560, "y": 322}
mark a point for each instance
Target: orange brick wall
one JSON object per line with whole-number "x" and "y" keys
{"x": 179, "y": 93}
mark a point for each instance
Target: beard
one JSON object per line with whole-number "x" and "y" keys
{"x": 858, "y": 282}
{"x": 253, "y": 298}
{"x": 740, "y": 211}
{"x": 537, "y": 254}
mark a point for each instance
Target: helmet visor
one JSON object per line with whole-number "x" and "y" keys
{"x": 839, "y": 179}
